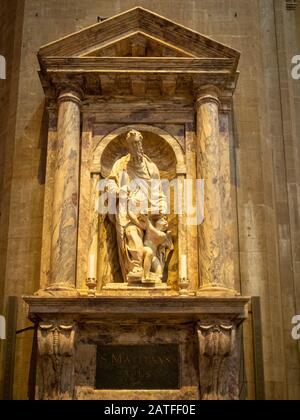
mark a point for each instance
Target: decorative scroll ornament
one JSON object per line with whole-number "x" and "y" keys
{"x": 56, "y": 339}
{"x": 218, "y": 370}
{"x": 56, "y": 364}
{"x": 217, "y": 340}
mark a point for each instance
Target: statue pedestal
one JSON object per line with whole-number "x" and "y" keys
{"x": 153, "y": 347}
{"x": 125, "y": 289}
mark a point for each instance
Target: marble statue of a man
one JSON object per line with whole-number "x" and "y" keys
{"x": 135, "y": 181}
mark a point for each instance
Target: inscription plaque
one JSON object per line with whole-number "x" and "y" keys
{"x": 138, "y": 367}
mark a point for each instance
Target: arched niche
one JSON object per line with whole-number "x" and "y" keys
{"x": 167, "y": 154}
{"x": 160, "y": 146}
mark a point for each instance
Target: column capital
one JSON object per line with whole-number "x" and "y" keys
{"x": 207, "y": 93}
{"x": 70, "y": 89}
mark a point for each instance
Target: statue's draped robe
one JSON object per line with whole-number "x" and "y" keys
{"x": 139, "y": 191}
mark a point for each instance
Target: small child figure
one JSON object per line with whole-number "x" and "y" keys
{"x": 155, "y": 241}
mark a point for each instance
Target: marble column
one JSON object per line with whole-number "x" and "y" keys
{"x": 210, "y": 232}
{"x": 66, "y": 193}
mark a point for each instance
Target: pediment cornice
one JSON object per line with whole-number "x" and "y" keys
{"x": 136, "y": 52}
{"x": 126, "y": 24}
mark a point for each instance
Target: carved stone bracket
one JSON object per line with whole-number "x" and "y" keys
{"x": 56, "y": 360}
{"x": 218, "y": 362}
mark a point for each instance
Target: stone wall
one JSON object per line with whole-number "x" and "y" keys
{"x": 298, "y": 26}
{"x": 265, "y": 158}
{"x": 11, "y": 24}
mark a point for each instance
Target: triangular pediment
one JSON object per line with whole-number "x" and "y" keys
{"x": 138, "y": 44}
{"x": 137, "y": 33}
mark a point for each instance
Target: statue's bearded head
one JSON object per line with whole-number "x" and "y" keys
{"x": 134, "y": 142}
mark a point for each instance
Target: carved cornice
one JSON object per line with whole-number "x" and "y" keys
{"x": 99, "y": 307}
{"x": 138, "y": 65}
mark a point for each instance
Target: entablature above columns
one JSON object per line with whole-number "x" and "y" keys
{"x": 160, "y": 86}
